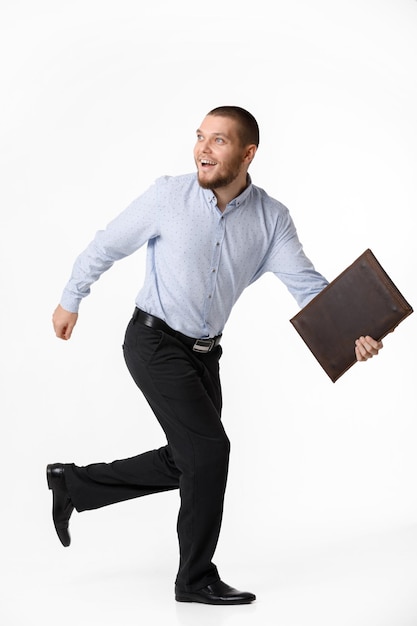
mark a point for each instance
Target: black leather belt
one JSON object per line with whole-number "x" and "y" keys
{"x": 198, "y": 345}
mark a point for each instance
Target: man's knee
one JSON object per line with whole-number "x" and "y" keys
{"x": 215, "y": 452}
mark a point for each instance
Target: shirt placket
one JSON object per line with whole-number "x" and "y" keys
{"x": 214, "y": 268}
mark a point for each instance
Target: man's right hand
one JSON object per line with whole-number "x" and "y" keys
{"x": 64, "y": 322}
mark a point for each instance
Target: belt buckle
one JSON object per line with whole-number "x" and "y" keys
{"x": 203, "y": 345}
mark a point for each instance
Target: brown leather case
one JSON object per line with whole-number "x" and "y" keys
{"x": 362, "y": 300}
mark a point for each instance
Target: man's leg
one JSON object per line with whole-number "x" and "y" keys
{"x": 100, "y": 484}
{"x": 183, "y": 389}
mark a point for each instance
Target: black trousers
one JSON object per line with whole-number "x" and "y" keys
{"x": 183, "y": 389}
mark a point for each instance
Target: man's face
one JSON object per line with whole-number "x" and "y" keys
{"x": 218, "y": 153}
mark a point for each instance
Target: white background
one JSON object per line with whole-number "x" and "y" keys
{"x": 98, "y": 98}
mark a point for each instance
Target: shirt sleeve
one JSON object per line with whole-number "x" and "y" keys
{"x": 125, "y": 234}
{"x": 290, "y": 264}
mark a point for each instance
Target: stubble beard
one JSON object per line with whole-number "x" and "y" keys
{"x": 216, "y": 183}
{"x": 222, "y": 180}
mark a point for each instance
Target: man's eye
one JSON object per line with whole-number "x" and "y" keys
{"x": 199, "y": 137}
{"x": 219, "y": 140}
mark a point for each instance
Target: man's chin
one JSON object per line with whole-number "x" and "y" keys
{"x": 204, "y": 183}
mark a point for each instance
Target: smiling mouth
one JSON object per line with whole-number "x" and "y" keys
{"x": 207, "y": 163}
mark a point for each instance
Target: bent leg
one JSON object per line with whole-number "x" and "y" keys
{"x": 183, "y": 389}
{"x": 101, "y": 484}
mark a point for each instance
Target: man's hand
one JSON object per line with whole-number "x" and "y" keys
{"x": 366, "y": 348}
{"x": 64, "y": 322}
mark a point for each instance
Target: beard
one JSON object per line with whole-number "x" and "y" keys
{"x": 216, "y": 183}
{"x": 222, "y": 179}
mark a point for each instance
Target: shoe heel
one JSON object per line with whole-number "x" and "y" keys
{"x": 49, "y": 476}
{"x": 182, "y": 598}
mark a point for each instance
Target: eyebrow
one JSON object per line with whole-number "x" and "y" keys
{"x": 200, "y": 132}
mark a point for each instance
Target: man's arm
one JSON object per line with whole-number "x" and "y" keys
{"x": 63, "y": 322}
{"x": 125, "y": 234}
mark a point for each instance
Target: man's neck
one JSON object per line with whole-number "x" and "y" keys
{"x": 225, "y": 195}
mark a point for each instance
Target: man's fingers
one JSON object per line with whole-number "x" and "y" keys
{"x": 68, "y": 331}
{"x": 367, "y": 347}
{"x": 62, "y": 332}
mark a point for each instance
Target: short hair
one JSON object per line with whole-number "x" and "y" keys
{"x": 248, "y": 126}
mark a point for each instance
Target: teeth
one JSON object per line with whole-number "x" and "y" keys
{"x": 207, "y": 162}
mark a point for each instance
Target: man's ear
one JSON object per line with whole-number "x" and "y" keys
{"x": 250, "y": 153}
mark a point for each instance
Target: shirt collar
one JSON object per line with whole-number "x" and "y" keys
{"x": 236, "y": 202}
{"x": 242, "y": 197}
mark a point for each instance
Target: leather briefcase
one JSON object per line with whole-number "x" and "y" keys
{"x": 362, "y": 300}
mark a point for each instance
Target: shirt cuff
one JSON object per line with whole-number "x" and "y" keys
{"x": 69, "y": 302}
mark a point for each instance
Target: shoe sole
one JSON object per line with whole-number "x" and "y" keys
{"x": 184, "y": 597}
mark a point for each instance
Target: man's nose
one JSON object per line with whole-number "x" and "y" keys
{"x": 205, "y": 145}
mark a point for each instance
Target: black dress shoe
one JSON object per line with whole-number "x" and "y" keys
{"x": 216, "y": 593}
{"x": 62, "y": 506}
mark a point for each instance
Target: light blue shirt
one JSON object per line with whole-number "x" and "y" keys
{"x": 199, "y": 260}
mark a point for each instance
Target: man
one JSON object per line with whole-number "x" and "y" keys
{"x": 209, "y": 235}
